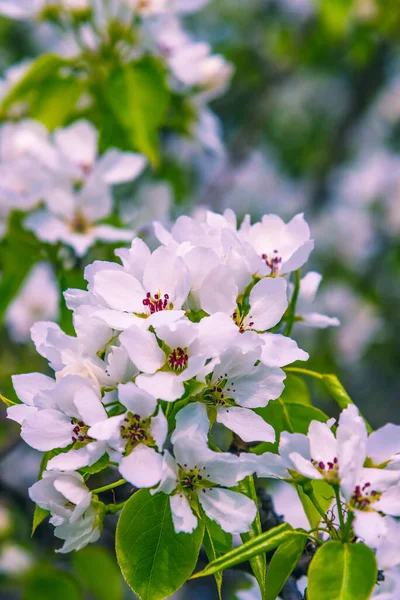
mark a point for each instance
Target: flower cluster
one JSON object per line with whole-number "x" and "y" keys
{"x": 167, "y": 344}
{"x": 64, "y": 171}
{"x": 365, "y": 470}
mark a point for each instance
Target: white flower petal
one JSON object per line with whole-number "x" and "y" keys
{"x": 116, "y": 166}
{"x": 159, "y": 429}
{"x": 268, "y": 302}
{"x": 143, "y": 349}
{"x": 304, "y": 466}
{"x": 136, "y": 400}
{"x": 119, "y": 290}
{"x": 20, "y": 412}
{"x": 323, "y": 445}
{"x": 218, "y": 292}
{"x": 162, "y": 385}
{"x": 27, "y": 385}
{"x": 389, "y": 502}
{"x": 383, "y": 443}
{"x": 47, "y": 429}
{"x": 89, "y": 406}
{"x": 249, "y": 426}
{"x": 192, "y": 424}
{"x": 182, "y": 516}
{"x": 370, "y": 527}
{"x": 142, "y": 467}
{"x": 234, "y": 512}
{"x": 279, "y": 350}
{"x": 76, "y": 459}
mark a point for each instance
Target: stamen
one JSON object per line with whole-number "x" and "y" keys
{"x": 157, "y": 303}
{"x": 178, "y": 359}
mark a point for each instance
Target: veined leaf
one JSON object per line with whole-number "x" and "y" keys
{"x": 282, "y": 564}
{"x": 324, "y": 494}
{"x": 342, "y": 572}
{"x": 154, "y": 560}
{"x": 212, "y": 554}
{"x": 258, "y": 563}
{"x": 263, "y": 543}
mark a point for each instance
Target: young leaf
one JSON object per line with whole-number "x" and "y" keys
{"x": 138, "y": 96}
{"x": 283, "y": 416}
{"x": 7, "y": 401}
{"x": 342, "y": 572}
{"x": 283, "y": 561}
{"x": 258, "y": 563}
{"x": 48, "y": 584}
{"x": 154, "y": 560}
{"x": 262, "y": 543}
{"x": 296, "y": 391}
{"x": 212, "y": 554}
{"x": 97, "y": 571}
{"x": 324, "y": 494}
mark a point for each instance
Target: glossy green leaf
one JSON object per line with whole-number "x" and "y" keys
{"x": 57, "y": 100}
{"x": 258, "y": 563}
{"x": 48, "y": 584}
{"x": 296, "y": 391}
{"x": 138, "y": 96}
{"x": 97, "y": 571}
{"x": 324, "y": 494}
{"x": 283, "y": 561}
{"x": 154, "y": 560}
{"x": 283, "y": 416}
{"x": 342, "y": 572}
{"x": 221, "y": 539}
{"x": 212, "y": 554}
{"x": 18, "y": 253}
{"x": 28, "y": 88}
{"x": 97, "y": 467}
{"x": 263, "y": 543}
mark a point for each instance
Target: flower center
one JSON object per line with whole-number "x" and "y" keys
{"x": 273, "y": 261}
{"x": 191, "y": 479}
{"x": 78, "y": 224}
{"x": 79, "y": 432}
{"x": 218, "y": 392}
{"x": 178, "y": 359}
{"x": 242, "y": 321}
{"x": 363, "y": 497}
{"x": 156, "y": 303}
{"x": 329, "y": 470}
{"x": 134, "y": 431}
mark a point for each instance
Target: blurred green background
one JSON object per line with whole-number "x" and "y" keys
{"x": 311, "y": 123}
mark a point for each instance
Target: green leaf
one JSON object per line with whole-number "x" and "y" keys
{"x": 339, "y": 394}
{"x": 283, "y": 561}
{"x": 324, "y": 494}
{"x": 221, "y": 539}
{"x": 296, "y": 391}
{"x": 138, "y": 96}
{"x": 342, "y": 572}
{"x": 262, "y": 543}
{"x": 27, "y": 89}
{"x": 284, "y": 416}
{"x": 212, "y": 554}
{"x": 19, "y": 252}
{"x": 98, "y": 466}
{"x": 97, "y": 571}
{"x": 258, "y": 563}
{"x": 154, "y": 560}
{"x": 57, "y": 100}
{"x": 48, "y": 584}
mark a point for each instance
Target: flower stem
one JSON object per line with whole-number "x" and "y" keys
{"x": 292, "y": 307}
{"x": 110, "y": 486}
{"x": 111, "y": 509}
{"x": 304, "y": 372}
{"x": 347, "y": 527}
{"x": 321, "y": 511}
{"x": 339, "y": 508}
